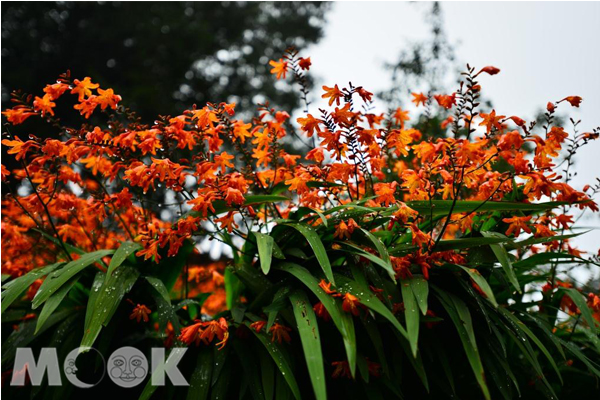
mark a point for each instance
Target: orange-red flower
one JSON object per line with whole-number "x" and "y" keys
{"x": 341, "y": 370}
{"x": 84, "y": 88}
{"x": 419, "y": 98}
{"x": 516, "y": 224}
{"x": 279, "y": 68}
{"x": 140, "y": 312}
{"x": 280, "y": 333}
{"x": 575, "y": 101}
{"x": 322, "y": 312}
{"x": 304, "y": 63}
{"x": 344, "y": 230}
{"x": 350, "y": 304}
{"x": 334, "y": 94}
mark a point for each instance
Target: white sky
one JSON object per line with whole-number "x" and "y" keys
{"x": 546, "y": 51}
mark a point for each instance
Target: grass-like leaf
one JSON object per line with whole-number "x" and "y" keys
{"x": 15, "y": 288}
{"x": 342, "y": 320}
{"x": 109, "y": 297}
{"x": 265, "y": 250}
{"x": 311, "y": 341}
{"x": 124, "y": 250}
{"x": 59, "y": 277}
{"x": 315, "y": 243}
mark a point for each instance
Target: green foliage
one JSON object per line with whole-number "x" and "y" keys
{"x": 465, "y": 330}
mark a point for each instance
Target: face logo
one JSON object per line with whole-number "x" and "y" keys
{"x": 70, "y": 367}
{"x": 127, "y": 367}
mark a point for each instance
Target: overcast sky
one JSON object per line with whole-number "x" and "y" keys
{"x": 546, "y": 51}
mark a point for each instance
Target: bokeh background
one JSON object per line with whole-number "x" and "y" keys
{"x": 165, "y": 56}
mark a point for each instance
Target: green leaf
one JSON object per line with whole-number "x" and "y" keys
{"x": 518, "y": 323}
{"x": 94, "y": 292}
{"x": 411, "y": 314}
{"x": 369, "y": 300}
{"x": 460, "y": 315}
{"x": 420, "y": 288}
{"x": 373, "y": 258}
{"x": 482, "y": 283}
{"x": 502, "y": 256}
{"x": 267, "y": 369}
{"x": 124, "y": 250}
{"x": 375, "y": 337}
{"x": 53, "y": 302}
{"x": 438, "y": 207}
{"x": 15, "y": 288}
{"x": 109, "y": 297}
{"x": 265, "y": 250}
{"x": 25, "y": 334}
{"x": 580, "y": 302}
{"x": 343, "y": 321}
{"x": 382, "y": 250}
{"x": 315, "y": 243}
{"x": 201, "y": 376}
{"x": 276, "y": 352}
{"x": 534, "y": 240}
{"x": 160, "y": 287}
{"x": 311, "y": 341}
{"x": 164, "y": 308}
{"x": 452, "y": 244}
{"x": 59, "y": 277}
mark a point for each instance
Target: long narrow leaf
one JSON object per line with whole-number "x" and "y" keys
{"x": 315, "y": 243}
{"x": 265, "y": 250}
{"x": 343, "y": 321}
{"x": 281, "y": 362}
{"x": 311, "y": 341}
{"x": 124, "y": 251}
{"x": 59, "y": 277}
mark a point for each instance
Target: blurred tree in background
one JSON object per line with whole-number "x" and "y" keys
{"x": 160, "y": 55}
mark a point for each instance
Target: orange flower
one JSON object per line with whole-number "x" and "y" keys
{"x": 107, "y": 98}
{"x": 446, "y": 101}
{"x": 309, "y": 125}
{"x": 342, "y": 370}
{"x": 489, "y": 70}
{"x": 385, "y": 193}
{"x": 400, "y": 116}
{"x": 350, "y": 304}
{"x": 316, "y": 154}
{"x": 258, "y": 325}
{"x": 234, "y": 196}
{"x": 223, "y": 161}
{"x": 18, "y": 114}
{"x": 304, "y": 63}
{"x": 491, "y": 121}
{"x": 345, "y": 230}
{"x": 419, "y": 98}
{"x": 140, "y": 312}
{"x": 191, "y": 334}
{"x": 44, "y": 104}
{"x": 334, "y": 94}
{"x": 56, "y": 90}
{"x": 575, "y": 101}
{"x": 322, "y": 312}
{"x": 218, "y": 329}
{"x": 280, "y": 333}
{"x": 517, "y": 224}
{"x": 419, "y": 237}
{"x": 326, "y": 286}
{"x": 19, "y": 147}
{"x": 83, "y": 88}
{"x": 279, "y": 68}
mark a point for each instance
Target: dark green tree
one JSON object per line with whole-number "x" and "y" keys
{"x": 160, "y": 56}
